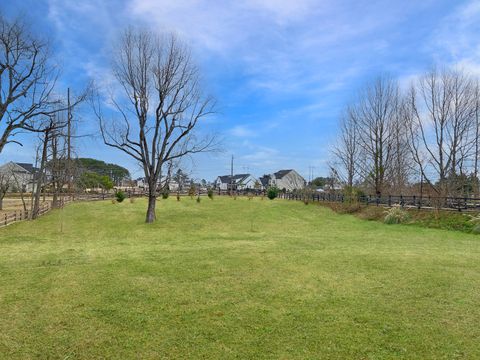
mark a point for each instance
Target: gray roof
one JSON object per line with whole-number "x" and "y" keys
{"x": 264, "y": 180}
{"x": 281, "y": 173}
{"x": 28, "y": 167}
{"x": 227, "y": 179}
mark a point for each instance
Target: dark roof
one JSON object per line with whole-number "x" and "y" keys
{"x": 227, "y": 179}
{"x": 264, "y": 180}
{"x": 28, "y": 167}
{"x": 281, "y": 173}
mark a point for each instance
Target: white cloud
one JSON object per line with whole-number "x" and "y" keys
{"x": 242, "y": 131}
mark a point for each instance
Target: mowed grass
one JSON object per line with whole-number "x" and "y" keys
{"x": 226, "y": 279}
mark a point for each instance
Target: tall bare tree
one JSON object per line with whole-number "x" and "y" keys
{"x": 375, "y": 114}
{"x": 164, "y": 104}
{"x": 27, "y": 79}
{"x": 441, "y": 117}
{"x": 48, "y": 128}
{"x": 346, "y": 150}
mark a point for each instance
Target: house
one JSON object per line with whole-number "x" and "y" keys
{"x": 20, "y": 176}
{"x": 266, "y": 181}
{"x": 238, "y": 182}
{"x": 287, "y": 180}
{"x": 172, "y": 184}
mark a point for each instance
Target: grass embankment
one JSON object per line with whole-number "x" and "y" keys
{"x": 234, "y": 279}
{"x": 434, "y": 219}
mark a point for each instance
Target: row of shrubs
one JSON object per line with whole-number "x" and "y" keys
{"x": 438, "y": 219}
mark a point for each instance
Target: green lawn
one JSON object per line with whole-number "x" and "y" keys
{"x": 228, "y": 279}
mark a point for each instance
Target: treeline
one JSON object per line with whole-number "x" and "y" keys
{"x": 423, "y": 139}
{"x": 115, "y": 172}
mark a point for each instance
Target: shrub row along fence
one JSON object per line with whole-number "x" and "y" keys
{"x": 411, "y": 201}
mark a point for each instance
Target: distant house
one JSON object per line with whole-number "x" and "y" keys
{"x": 287, "y": 180}
{"x": 238, "y": 182}
{"x": 172, "y": 184}
{"x": 20, "y": 176}
{"x": 266, "y": 181}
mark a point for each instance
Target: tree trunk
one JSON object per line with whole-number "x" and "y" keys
{"x": 1, "y": 202}
{"x": 36, "y": 203}
{"x": 55, "y": 203}
{"x": 152, "y": 200}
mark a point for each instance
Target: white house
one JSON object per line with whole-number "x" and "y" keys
{"x": 239, "y": 182}
{"x": 284, "y": 179}
{"x": 20, "y": 176}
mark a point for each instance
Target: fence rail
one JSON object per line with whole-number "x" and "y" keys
{"x": 11, "y": 217}
{"x": 408, "y": 201}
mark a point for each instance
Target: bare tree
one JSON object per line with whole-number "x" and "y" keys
{"x": 58, "y": 165}
{"x": 476, "y": 134}
{"x": 375, "y": 114}
{"x": 346, "y": 151}
{"x": 164, "y": 105}
{"x": 27, "y": 80}
{"x": 4, "y": 186}
{"x": 401, "y": 168}
{"x": 49, "y": 127}
{"x": 441, "y": 116}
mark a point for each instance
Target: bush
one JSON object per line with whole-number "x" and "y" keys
{"x": 198, "y": 198}
{"x": 272, "y": 192}
{"x": 475, "y": 220}
{"x": 178, "y": 196}
{"x": 165, "y": 194}
{"x": 210, "y": 194}
{"x": 192, "y": 190}
{"x": 120, "y": 196}
{"x": 352, "y": 194}
{"x": 396, "y": 215}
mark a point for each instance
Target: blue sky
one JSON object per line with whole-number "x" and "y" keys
{"x": 281, "y": 70}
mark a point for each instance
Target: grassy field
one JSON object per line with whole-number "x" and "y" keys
{"x": 228, "y": 279}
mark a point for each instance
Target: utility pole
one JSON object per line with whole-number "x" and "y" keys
{"x": 231, "y": 177}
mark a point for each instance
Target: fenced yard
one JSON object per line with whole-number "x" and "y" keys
{"x": 229, "y": 278}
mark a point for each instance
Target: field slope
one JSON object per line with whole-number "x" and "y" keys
{"x": 231, "y": 278}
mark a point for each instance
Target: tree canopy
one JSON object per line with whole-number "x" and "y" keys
{"x": 115, "y": 172}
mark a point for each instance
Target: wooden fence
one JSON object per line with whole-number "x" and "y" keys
{"x": 408, "y": 201}
{"x": 20, "y": 215}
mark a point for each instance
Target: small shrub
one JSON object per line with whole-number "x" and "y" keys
{"x": 178, "y": 196}
{"x": 132, "y": 200}
{"x": 120, "y": 196}
{"x": 396, "y": 215}
{"x": 475, "y": 220}
{"x": 165, "y": 194}
{"x": 210, "y": 194}
{"x": 114, "y": 201}
{"x": 198, "y": 199}
{"x": 272, "y": 192}
{"x": 192, "y": 191}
